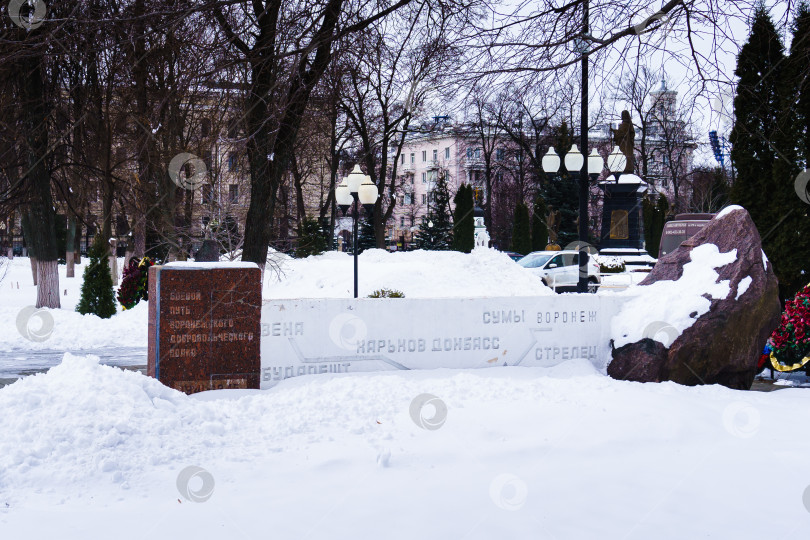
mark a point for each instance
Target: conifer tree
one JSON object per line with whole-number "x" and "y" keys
{"x": 436, "y": 230}
{"x": 539, "y": 228}
{"x": 365, "y": 233}
{"x": 562, "y": 191}
{"x": 788, "y": 243}
{"x": 521, "y": 231}
{"x": 654, "y": 214}
{"x": 756, "y": 111}
{"x": 463, "y": 220}
{"x": 97, "y": 288}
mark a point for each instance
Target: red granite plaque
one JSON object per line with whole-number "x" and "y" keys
{"x": 204, "y": 325}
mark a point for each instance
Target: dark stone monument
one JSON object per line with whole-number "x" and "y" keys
{"x": 622, "y": 222}
{"x": 208, "y": 252}
{"x": 204, "y": 325}
{"x": 724, "y": 344}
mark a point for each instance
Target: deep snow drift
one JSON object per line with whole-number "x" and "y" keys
{"x": 89, "y": 451}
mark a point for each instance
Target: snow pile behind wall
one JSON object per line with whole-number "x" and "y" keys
{"x": 419, "y": 274}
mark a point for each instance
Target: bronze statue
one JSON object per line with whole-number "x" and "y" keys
{"x": 624, "y": 137}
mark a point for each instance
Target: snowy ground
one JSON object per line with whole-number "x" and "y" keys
{"x": 91, "y": 451}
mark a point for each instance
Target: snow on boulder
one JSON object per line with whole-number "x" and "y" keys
{"x": 704, "y": 312}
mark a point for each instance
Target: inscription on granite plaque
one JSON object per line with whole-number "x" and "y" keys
{"x": 204, "y": 325}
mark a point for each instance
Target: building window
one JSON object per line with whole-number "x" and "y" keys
{"x": 413, "y": 157}
{"x": 402, "y": 221}
{"x": 205, "y": 128}
{"x": 469, "y": 153}
{"x": 424, "y": 155}
{"x": 435, "y": 155}
{"x": 477, "y": 153}
{"x": 499, "y": 153}
{"x": 233, "y": 193}
{"x": 424, "y": 198}
{"x": 403, "y": 159}
{"x": 447, "y": 153}
{"x": 233, "y": 162}
{"x": 424, "y": 178}
{"x": 207, "y": 193}
{"x": 411, "y": 221}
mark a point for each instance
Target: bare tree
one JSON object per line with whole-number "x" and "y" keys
{"x": 392, "y": 69}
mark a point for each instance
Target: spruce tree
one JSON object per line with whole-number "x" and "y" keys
{"x": 463, "y": 220}
{"x": 312, "y": 240}
{"x": 799, "y": 62}
{"x": 539, "y": 228}
{"x": 97, "y": 288}
{"x": 521, "y": 230}
{"x": 436, "y": 230}
{"x": 365, "y": 232}
{"x": 562, "y": 191}
{"x": 788, "y": 243}
{"x": 756, "y": 110}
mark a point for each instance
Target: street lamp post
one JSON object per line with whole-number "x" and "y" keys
{"x": 616, "y": 163}
{"x": 574, "y": 161}
{"x": 357, "y": 187}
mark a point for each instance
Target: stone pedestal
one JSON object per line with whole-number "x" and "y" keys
{"x": 622, "y": 222}
{"x": 204, "y": 325}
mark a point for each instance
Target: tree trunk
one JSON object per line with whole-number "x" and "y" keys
{"x": 70, "y": 241}
{"x": 33, "y": 268}
{"x": 114, "y": 261}
{"x": 77, "y": 246}
{"x": 42, "y": 213}
{"x": 48, "y": 284}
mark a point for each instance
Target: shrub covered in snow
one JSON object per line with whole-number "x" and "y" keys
{"x": 611, "y": 265}
{"x": 386, "y": 293}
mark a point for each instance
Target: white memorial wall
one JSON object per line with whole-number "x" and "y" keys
{"x": 311, "y": 336}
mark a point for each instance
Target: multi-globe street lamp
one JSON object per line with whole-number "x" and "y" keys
{"x": 616, "y": 163}
{"x": 357, "y": 187}
{"x": 574, "y": 161}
